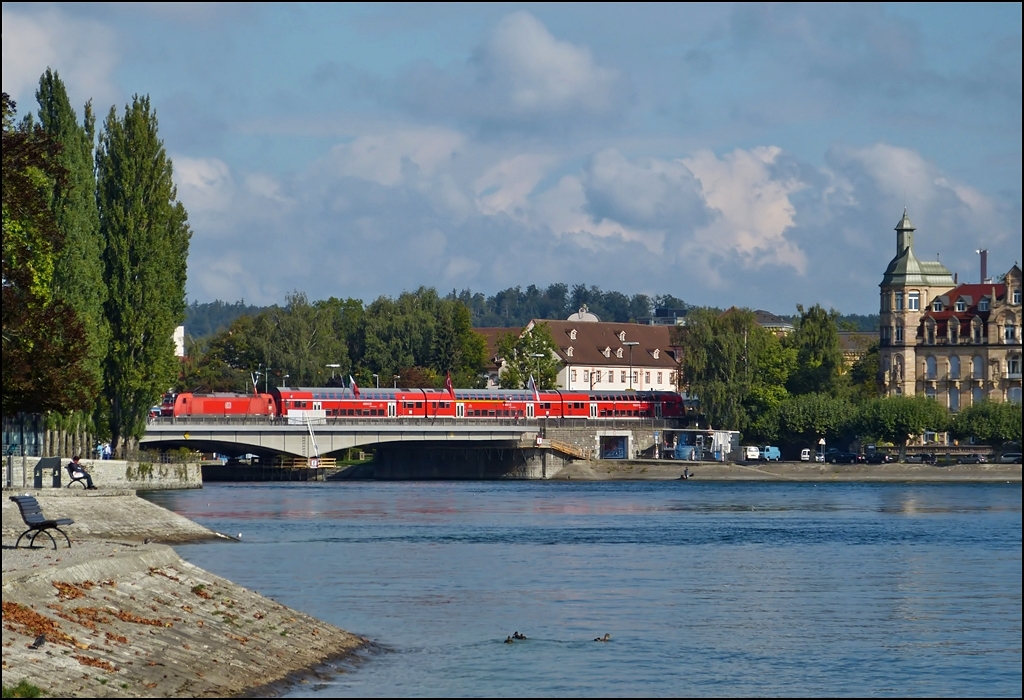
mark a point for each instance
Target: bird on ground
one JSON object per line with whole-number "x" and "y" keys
{"x": 40, "y": 641}
{"x": 605, "y": 638}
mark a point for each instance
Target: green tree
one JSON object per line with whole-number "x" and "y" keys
{"x": 531, "y": 354}
{"x": 989, "y": 423}
{"x": 897, "y": 419}
{"x": 78, "y": 265}
{"x": 864, "y": 376}
{"x": 43, "y": 356}
{"x": 147, "y": 237}
{"x": 805, "y": 418}
{"x": 819, "y": 357}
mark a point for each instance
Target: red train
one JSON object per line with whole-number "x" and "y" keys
{"x": 337, "y": 403}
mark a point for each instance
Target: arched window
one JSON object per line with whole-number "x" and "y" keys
{"x": 954, "y": 400}
{"x": 977, "y": 368}
{"x": 930, "y": 392}
{"x": 954, "y": 331}
{"x": 977, "y": 331}
{"x": 954, "y": 367}
{"x": 977, "y": 395}
{"x": 930, "y": 368}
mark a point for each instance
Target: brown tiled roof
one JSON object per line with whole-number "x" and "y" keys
{"x": 856, "y": 341}
{"x": 592, "y": 339}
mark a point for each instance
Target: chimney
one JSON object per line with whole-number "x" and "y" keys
{"x": 956, "y": 276}
{"x": 984, "y": 264}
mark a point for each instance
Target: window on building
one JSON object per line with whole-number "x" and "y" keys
{"x": 978, "y": 334}
{"x": 914, "y": 301}
{"x": 568, "y": 351}
{"x": 611, "y": 376}
{"x": 929, "y": 332}
{"x": 961, "y": 306}
{"x": 1013, "y": 394}
{"x": 635, "y": 377}
{"x": 886, "y": 334}
{"x": 983, "y": 304}
{"x": 930, "y": 392}
{"x": 1013, "y": 366}
{"x": 899, "y": 333}
{"x": 937, "y": 305}
{"x": 954, "y": 331}
{"x": 622, "y": 336}
{"x": 886, "y": 302}
{"x": 977, "y": 395}
{"x": 977, "y": 368}
{"x": 930, "y": 368}
{"x": 618, "y": 353}
{"x": 1009, "y": 333}
{"x": 899, "y": 301}
{"x": 647, "y": 377}
{"x": 659, "y": 377}
{"x": 572, "y": 334}
{"x": 954, "y": 367}
{"x": 623, "y": 373}
{"x": 572, "y": 374}
{"x": 1016, "y": 296}
{"x": 954, "y": 400}
{"x": 586, "y": 375}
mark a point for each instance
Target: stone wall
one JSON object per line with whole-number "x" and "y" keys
{"x": 119, "y": 474}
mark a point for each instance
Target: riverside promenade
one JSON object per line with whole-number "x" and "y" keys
{"x": 124, "y": 616}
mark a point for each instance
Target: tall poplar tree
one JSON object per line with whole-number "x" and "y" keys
{"x": 78, "y": 265}
{"x": 147, "y": 236}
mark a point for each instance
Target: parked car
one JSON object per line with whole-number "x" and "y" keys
{"x": 972, "y": 459}
{"x": 805, "y": 455}
{"x": 1009, "y": 458}
{"x": 836, "y": 456}
{"x": 770, "y": 453}
{"x": 876, "y": 457}
{"x": 922, "y": 458}
{"x": 751, "y": 454}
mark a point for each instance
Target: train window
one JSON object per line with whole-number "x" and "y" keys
{"x": 351, "y": 412}
{"x": 491, "y": 414}
{"x": 419, "y": 404}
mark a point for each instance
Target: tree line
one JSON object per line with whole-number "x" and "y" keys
{"x": 95, "y": 248}
{"x": 795, "y": 389}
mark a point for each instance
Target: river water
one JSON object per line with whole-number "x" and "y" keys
{"x": 705, "y": 588}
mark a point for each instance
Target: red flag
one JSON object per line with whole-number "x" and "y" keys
{"x": 353, "y": 386}
{"x": 448, "y": 384}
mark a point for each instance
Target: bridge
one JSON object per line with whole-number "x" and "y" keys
{"x": 411, "y": 448}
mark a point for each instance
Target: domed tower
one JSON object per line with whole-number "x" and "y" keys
{"x": 908, "y": 287}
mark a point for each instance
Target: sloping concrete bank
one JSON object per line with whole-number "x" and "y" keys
{"x": 121, "y": 474}
{"x": 134, "y": 620}
{"x": 602, "y": 470}
{"x": 114, "y": 514}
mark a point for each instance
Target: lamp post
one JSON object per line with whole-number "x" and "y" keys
{"x": 376, "y": 380}
{"x": 537, "y": 355}
{"x": 630, "y": 344}
{"x": 284, "y": 381}
{"x": 395, "y": 378}
{"x": 333, "y": 366}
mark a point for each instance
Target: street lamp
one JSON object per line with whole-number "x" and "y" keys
{"x": 538, "y": 355}
{"x": 333, "y": 366}
{"x": 630, "y": 344}
{"x": 284, "y": 381}
{"x": 395, "y": 378}
{"x": 376, "y": 380}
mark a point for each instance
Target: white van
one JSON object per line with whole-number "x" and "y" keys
{"x": 805, "y": 455}
{"x": 751, "y": 454}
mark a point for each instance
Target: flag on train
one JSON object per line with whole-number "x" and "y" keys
{"x": 353, "y": 386}
{"x": 448, "y": 384}
{"x": 532, "y": 386}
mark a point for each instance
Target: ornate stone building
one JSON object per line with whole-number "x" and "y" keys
{"x": 956, "y": 343}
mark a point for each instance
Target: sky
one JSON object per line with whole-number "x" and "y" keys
{"x": 748, "y": 155}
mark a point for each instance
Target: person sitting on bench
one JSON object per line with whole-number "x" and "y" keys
{"x": 77, "y": 471}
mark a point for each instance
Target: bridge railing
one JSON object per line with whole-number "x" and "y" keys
{"x": 621, "y": 423}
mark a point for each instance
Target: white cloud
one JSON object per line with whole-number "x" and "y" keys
{"x": 507, "y": 185}
{"x": 392, "y": 157}
{"x": 753, "y": 207}
{"x": 540, "y": 74}
{"x": 204, "y": 184}
{"x": 80, "y": 50}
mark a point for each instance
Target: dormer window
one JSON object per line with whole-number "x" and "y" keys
{"x": 622, "y": 336}
{"x": 983, "y": 304}
{"x": 937, "y": 306}
{"x": 656, "y": 353}
{"x": 618, "y": 353}
{"x": 572, "y": 334}
{"x": 1016, "y": 296}
{"x": 568, "y": 351}
{"x": 607, "y": 352}
{"x": 961, "y": 306}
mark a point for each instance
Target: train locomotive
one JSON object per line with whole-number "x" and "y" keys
{"x": 386, "y": 404}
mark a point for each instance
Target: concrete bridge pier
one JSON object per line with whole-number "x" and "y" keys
{"x": 465, "y": 462}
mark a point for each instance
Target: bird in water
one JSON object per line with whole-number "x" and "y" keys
{"x": 605, "y": 638}
{"x": 508, "y": 640}
{"x": 518, "y": 636}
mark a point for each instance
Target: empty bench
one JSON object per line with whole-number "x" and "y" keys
{"x": 32, "y": 514}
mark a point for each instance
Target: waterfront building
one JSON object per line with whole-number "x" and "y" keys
{"x": 956, "y": 343}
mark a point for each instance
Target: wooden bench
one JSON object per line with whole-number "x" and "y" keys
{"x": 32, "y": 514}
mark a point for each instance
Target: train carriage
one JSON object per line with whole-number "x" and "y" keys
{"x": 224, "y": 404}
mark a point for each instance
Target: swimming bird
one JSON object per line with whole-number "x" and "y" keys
{"x": 518, "y": 636}
{"x": 605, "y": 638}
{"x": 508, "y": 640}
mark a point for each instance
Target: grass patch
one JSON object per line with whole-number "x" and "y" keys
{"x": 24, "y": 689}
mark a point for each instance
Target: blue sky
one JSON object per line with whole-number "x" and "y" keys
{"x": 751, "y": 155}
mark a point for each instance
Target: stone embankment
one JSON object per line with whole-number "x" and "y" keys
{"x": 118, "y": 474}
{"x": 603, "y": 470}
{"x": 126, "y": 617}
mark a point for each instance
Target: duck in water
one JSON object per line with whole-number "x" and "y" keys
{"x": 518, "y": 636}
{"x": 508, "y": 640}
{"x": 605, "y": 638}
